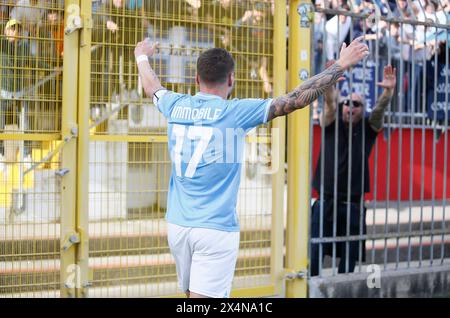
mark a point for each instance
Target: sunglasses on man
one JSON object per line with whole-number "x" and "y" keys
{"x": 356, "y": 104}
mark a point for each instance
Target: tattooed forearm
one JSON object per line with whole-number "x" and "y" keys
{"x": 377, "y": 117}
{"x": 306, "y": 93}
{"x": 150, "y": 81}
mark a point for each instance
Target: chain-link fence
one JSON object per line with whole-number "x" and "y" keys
{"x": 380, "y": 196}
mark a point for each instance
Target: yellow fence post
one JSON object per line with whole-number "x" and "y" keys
{"x": 75, "y": 154}
{"x": 278, "y": 147}
{"x": 298, "y": 152}
{"x": 69, "y": 270}
{"x": 83, "y": 146}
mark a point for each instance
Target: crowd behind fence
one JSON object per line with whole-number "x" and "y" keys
{"x": 410, "y": 35}
{"x": 386, "y": 206}
{"x": 413, "y": 36}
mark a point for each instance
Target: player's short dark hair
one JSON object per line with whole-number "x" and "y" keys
{"x": 214, "y": 65}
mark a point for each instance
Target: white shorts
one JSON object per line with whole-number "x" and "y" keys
{"x": 205, "y": 259}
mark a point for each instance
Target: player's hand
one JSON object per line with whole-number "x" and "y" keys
{"x": 352, "y": 54}
{"x": 389, "y": 79}
{"x": 145, "y": 48}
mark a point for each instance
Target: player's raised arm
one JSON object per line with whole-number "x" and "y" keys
{"x": 310, "y": 90}
{"x": 150, "y": 81}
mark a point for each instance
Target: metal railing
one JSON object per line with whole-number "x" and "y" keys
{"x": 31, "y": 59}
{"x": 390, "y": 211}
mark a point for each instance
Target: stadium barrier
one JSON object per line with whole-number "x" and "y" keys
{"x": 406, "y": 225}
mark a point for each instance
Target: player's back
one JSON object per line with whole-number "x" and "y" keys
{"x": 206, "y": 140}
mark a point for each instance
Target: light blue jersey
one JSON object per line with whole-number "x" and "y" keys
{"x": 206, "y": 141}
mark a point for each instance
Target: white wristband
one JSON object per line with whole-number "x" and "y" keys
{"x": 141, "y": 58}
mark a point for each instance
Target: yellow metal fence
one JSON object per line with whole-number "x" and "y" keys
{"x": 31, "y": 58}
{"x": 84, "y": 164}
{"x": 128, "y": 194}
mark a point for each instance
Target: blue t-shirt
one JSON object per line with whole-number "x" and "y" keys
{"x": 206, "y": 137}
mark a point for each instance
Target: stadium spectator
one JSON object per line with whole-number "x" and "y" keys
{"x": 433, "y": 13}
{"x": 14, "y": 75}
{"x": 5, "y": 8}
{"x": 447, "y": 7}
{"x": 319, "y": 25}
{"x": 13, "y": 45}
{"x": 29, "y": 12}
{"x": 403, "y": 10}
{"x": 55, "y": 23}
{"x": 108, "y": 13}
{"x": 133, "y": 4}
{"x": 118, "y": 16}
{"x": 338, "y": 32}
{"x": 350, "y": 107}
{"x": 390, "y": 42}
{"x": 18, "y": 78}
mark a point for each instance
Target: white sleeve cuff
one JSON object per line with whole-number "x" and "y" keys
{"x": 158, "y": 95}
{"x": 266, "y": 113}
{"x": 141, "y": 58}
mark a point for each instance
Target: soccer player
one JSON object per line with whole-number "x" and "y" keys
{"x": 206, "y": 135}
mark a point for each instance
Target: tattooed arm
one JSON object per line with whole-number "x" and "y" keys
{"x": 329, "y": 112}
{"x": 376, "y": 119}
{"x": 150, "y": 81}
{"x": 308, "y": 91}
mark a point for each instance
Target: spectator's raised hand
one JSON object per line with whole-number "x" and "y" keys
{"x": 389, "y": 79}
{"x": 352, "y": 54}
{"x": 253, "y": 16}
{"x": 111, "y": 26}
{"x": 145, "y": 48}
